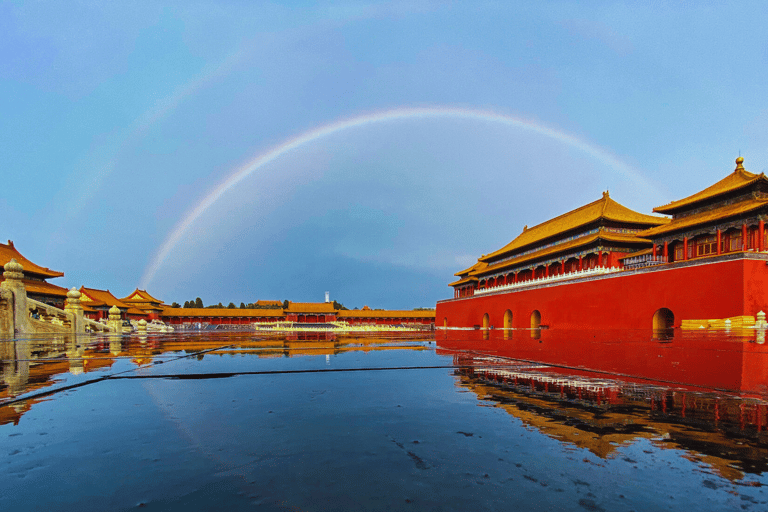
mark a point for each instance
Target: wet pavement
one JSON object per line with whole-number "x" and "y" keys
{"x": 228, "y": 420}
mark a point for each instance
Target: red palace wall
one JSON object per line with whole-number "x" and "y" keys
{"x": 704, "y": 289}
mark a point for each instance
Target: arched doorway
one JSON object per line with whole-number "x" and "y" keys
{"x": 445, "y": 322}
{"x": 536, "y": 324}
{"x": 486, "y": 325}
{"x": 507, "y": 324}
{"x": 663, "y": 323}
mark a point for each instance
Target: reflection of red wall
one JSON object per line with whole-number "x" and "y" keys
{"x": 709, "y": 290}
{"x": 712, "y": 360}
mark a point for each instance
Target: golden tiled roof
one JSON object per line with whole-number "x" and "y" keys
{"x": 708, "y": 216}
{"x": 310, "y": 307}
{"x": 141, "y": 296}
{"x": 603, "y": 208}
{"x": 393, "y": 313}
{"x": 43, "y": 288}
{"x": 210, "y": 312}
{"x": 739, "y": 178}
{"x": 8, "y": 252}
{"x": 463, "y": 280}
{"x": 477, "y": 266}
{"x": 567, "y": 246}
{"x": 638, "y": 253}
{"x": 275, "y": 303}
{"x": 96, "y": 297}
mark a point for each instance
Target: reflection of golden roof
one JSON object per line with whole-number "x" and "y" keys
{"x": 572, "y": 244}
{"x": 723, "y": 212}
{"x": 209, "y": 312}
{"x": 604, "y": 208}
{"x": 310, "y": 307}
{"x": 738, "y": 179}
{"x": 372, "y": 313}
{"x": 8, "y": 252}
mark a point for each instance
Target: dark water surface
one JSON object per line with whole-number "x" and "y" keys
{"x": 236, "y": 421}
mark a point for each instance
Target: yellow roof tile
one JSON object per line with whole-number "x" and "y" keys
{"x": 603, "y": 208}
{"x": 477, "y": 266}
{"x": 101, "y": 296}
{"x": 8, "y": 252}
{"x": 571, "y": 244}
{"x": 708, "y": 216}
{"x": 739, "y": 178}
{"x": 310, "y": 307}
{"x": 141, "y": 296}
{"x": 467, "y": 279}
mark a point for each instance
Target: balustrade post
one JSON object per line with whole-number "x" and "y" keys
{"x": 74, "y": 307}
{"x": 15, "y": 295}
{"x": 115, "y": 322}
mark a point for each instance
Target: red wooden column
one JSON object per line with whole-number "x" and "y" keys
{"x": 653, "y": 253}
{"x": 760, "y": 235}
{"x": 744, "y": 237}
{"x": 580, "y": 263}
{"x": 546, "y": 270}
{"x": 600, "y": 258}
{"x": 719, "y": 240}
{"x": 666, "y": 252}
{"x": 515, "y": 280}
{"x": 685, "y": 248}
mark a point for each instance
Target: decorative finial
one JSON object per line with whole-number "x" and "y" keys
{"x": 73, "y": 293}
{"x": 739, "y": 161}
{"x": 605, "y": 194}
{"x": 525, "y": 228}
{"x": 13, "y": 270}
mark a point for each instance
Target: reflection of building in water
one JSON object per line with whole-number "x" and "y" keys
{"x": 28, "y": 365}
{"x": 602, "y": 414}
{"x": 604, "y": 265}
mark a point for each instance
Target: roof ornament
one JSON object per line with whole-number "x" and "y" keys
{"x": 525, "y": 228}
{"x": 605, "y": 194}
{"x": 739, "y": 161}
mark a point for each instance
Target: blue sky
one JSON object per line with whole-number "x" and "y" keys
{"x": 119, "y": 119}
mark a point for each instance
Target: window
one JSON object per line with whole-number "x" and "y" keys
{"x": 706, "y": 245}
{"x": 678, "y": 252}
{"x": 735, "y": 242}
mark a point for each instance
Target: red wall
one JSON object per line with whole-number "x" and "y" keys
{"x": 709, "y": 289}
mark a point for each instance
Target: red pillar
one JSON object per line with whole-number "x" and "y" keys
{"x": 653, "y": 252}
{"x": 685, "y": 248}
{"x": 546, "y": 270}
{"x": 743, "y": 237}
{"x": 562, "y": 267}
{"x": 760, "y": 235}
{"x": 719, "y": 239}
{"x": 515, "y": 276}
{"x": 600, "y": 258}
{"x": 580, "y": 263}
{"x": 666, "y": 252}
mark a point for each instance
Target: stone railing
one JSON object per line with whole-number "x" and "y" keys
{"x": 551, "y": 279}
{"x": 20, "y": 315}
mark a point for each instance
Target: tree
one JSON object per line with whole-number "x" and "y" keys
{"x": 186, "y": 304}
{"x": 285, "y": 304}
{"x": 338, "y": 305}
{"x": 175, "y": 305}
{"x": 242, "y": 305}
{"x": 231, "y": 305}
{"x": 199, "y": 303}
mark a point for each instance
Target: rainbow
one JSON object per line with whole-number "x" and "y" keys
{"x": 364, "y": 120}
